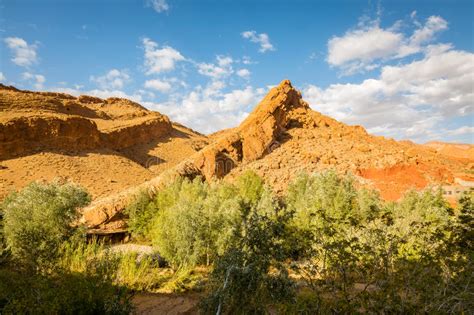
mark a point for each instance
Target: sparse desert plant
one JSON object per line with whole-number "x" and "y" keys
{"x": 38, "y": 219}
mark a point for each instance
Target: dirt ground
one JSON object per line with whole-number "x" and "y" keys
{"x": 169, "y": 304}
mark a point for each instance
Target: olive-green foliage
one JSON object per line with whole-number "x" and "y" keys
{"x": 140, "y": 212}
{"x": 61, "y": 293}
{"x": 4, "y": 252}
{"x": 53, "y": 270}
{"x": 367, "y": 255}
{"x": 354, "y": 252}
{"x": 251, "y": 274}
{"x": 250, "y": 188}
{"x": 139, "y": 273}
{"x": 464, "y": 229}
{"x": 193, "y": 221}
{"x": 131, "y": 270}
{"x": 320, "y": 199}
{"x": 38, "y": 219}
{"x": 458, "y": 260}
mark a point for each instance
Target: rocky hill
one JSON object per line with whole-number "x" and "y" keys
{"x": 106, "y": 145}
{"x": 124, "y": 148}
{"x": 283, "y": 137}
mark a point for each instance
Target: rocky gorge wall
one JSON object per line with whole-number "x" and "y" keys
{"x": 40, "y": 121}
{"x": 24, "y": 135}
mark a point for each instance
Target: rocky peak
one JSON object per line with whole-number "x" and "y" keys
{"x": 282, "y": 108}
{"x": 277, "y": 104}
{"x": 273, "y": 115}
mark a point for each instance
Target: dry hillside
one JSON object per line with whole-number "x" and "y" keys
{"x": 105, "y": 145}
{"x": 457, "y": 150}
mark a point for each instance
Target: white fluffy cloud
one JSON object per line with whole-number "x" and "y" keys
{"x": 363, "y": 46}
{"x": 366, "y": 47}
{"x": 36, "y": 79}
{"x": 160, "y": 60}
{"x": 136, "y": 97}
{"x": 2, "y": 77}
{"x": 24, "y": 54}
{"x": 426, "y": 33}
{"x": 209, "y": 109}
{"x": 461, "y": 131}
{"x": 246, "y": 60}
{"x": 158, "y": 5}
{"x": 262, "y": 39}
{"x": 243, "y": 73}
{"x": 158, "y": 85}
{"x": 410, "y": 100}
{"x": 114, "y": 79}
{"x": 221, "y": 69}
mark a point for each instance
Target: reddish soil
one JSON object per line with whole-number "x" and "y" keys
{"x": 394, "y": 181}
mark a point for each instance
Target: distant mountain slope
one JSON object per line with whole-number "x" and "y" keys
{"x": 457, "y": 150}
{"x": 106, "y": 145}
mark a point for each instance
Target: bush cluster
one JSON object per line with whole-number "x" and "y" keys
{"x": 348, "y": 249}
{"x": 326, "y": 246}
{"x": 39, "y": 247}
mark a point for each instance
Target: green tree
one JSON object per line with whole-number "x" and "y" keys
{"x": 38, "y": 219}
{"x": 193, "y": 220}
{"x": 252, "y": 274}
{"x": 140, "y": 211}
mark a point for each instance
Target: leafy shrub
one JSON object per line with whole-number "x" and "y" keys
{"x": 63, "y": 293}
{"x": 39, "y": 218}
{"x": 140, "y": 212}
{"x": 193, "y": 221}
{"x": 362, "y": 254}
{"x": 4, "y": 252}
{"x": 320, "y": 199}
{"x": 251, "y": 274}
{"x": 63, "y": 274}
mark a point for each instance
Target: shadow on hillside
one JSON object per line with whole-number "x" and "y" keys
{"x": 138, "y": 153}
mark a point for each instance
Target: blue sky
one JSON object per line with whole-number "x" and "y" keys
{"x": 402, "y": 69}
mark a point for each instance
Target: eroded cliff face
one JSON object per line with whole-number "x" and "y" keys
{"x": 105, "y": 145}
{"x": 35, "y": 122}
{"x": 22, "y": 135}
